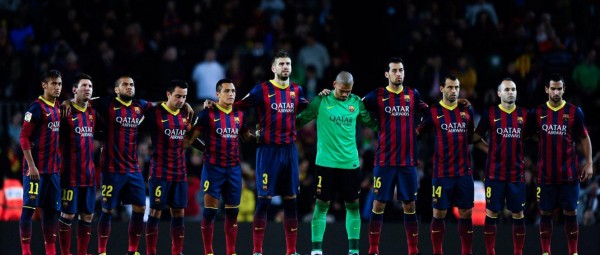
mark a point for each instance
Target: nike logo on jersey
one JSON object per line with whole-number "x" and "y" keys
{"x": 215, "y": 120}
{"x": 271, "y": 95}
{"x": 164, "y": 120}
{"x": 329, "y": 107}
{"x": 74, "y": 119}
{"x": 384, "y": 99}
{"x": 48, "y": 114}
{"x": 496, "y": 120}
{"x": 541, "y": 117}
{"x": 116, "y": 108}
{"x": 441, "y": 116}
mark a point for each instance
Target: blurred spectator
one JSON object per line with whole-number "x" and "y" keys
{"x": 312, "y": 84}
{"x": 480, "y": 7}
{"x": 14, "y": 127}
{"x": 206, "y": 74}
{"x": 313, "y": 53}
{"x": 586, "y": 75}
{"x": 468, "y": 77}
{"x": 589, "y": 211}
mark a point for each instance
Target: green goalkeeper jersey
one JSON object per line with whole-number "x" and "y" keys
{"x": 336, "y": 129}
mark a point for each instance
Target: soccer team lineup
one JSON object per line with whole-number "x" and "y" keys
{"x": 60, "y": 174}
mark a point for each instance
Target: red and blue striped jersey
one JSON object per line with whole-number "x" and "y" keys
{"x": 120, "y": 130}
{"x": 453, "y": 132}
{"x": 558, "y": 130}
{"x": 396, "y": 116}
{"x": 505, "y": 134}
{"x": 40, "y": 134}
{"x": 276, "y": 107}
{"x": 167, "y": 131}
{"x": 221, "y": 129}
{"x": 77, "y": 144}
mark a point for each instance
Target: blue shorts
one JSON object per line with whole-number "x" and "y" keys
{"x": 457, "y": 191}
{"x": 78, "y": 200}
{"x": 128, "y": 188}
{"x": 44, "y": 193}
{"x": 564, "y": 195}
{"x": 171, "y": 193}
{"x": 277, "y": 170}
{"x": 497, "y": 192}
{"x": 402, "y": 179}
{"x": 225, "y": 182}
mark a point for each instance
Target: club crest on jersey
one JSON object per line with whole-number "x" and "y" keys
{"x": 28, "y": 116}
{"x": 292, "y": 94}
{"x": 351, "y": 108}
{"x": 91, "y": 117}
{"x": 237, "y": 120}
{"x": 520, "y": 120}
{"x": 406, "y": 98}
{"x": 566, "y": 117}
{"x": 463, "y": 115}
{"x": 137, "y": 110}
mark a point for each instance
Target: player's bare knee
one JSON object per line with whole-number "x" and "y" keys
{"x": 492, "y": 214}
{"x": 155, "y": 213}
{"x": 86, "y": 217}
{"x": 570, "y": 212}
{"x": 177, "y": 212}
{"x": 210, "y": 201}
{"x": 378, "y": 206}
{"x": 408, "y": 207}
{"x": 440, "y": 214}
{"x": 465, "y": 213}
{"x": 67, "y": 216}
{"x": 289, "y": 197}
{"x": 518, "y": 215}
{"x": 545, "y": 212}
{"x": 138, "y": 208}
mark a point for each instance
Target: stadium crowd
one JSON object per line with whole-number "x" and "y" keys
{"x": 203, "y": 41}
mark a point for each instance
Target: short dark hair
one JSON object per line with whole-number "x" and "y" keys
{"x": 176, "y": 83}
{"x": 393, "y": 60}
{"x": 555, "y": 77}
{"x": 80, "y": 77}
{"x": 50, "y": 74}
{"x": 122, "y": 76}
{"x": 451, "y": 77}
{"x": 220, "y": 84}
{"x": 280, "y": 54}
